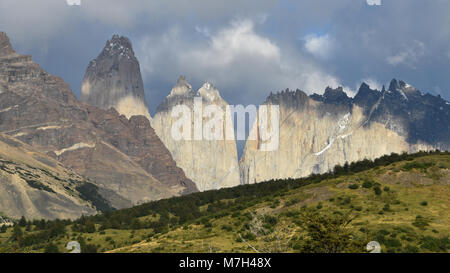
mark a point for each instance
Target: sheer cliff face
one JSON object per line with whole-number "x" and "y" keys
{"x": 318, "y": 132}
{"x": 211, "y": 164}
{"x": 123, "y": 157}
{"x": 114, "y": 79}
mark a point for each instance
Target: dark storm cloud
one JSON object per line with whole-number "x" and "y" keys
{"x": 246, "y": 48}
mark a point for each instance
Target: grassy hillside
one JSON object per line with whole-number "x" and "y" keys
{"x": 401, "y": 201}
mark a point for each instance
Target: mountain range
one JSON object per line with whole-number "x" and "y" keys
{"x": 118, "y": 156}
{"x": 123, "y": 157}
{"x": 318, "y": 132}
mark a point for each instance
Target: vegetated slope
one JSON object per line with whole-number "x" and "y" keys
{"x": 36, "y": 186}
{"x": 401, "y": 201}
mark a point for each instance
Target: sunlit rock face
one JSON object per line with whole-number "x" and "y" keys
{"x": 123, "y": 157}
{"x": 211, "y": 164}
{"x": 318, "y": 132}
{"x": 114, "y": 79}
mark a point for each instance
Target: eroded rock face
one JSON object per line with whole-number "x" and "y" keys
{"x": 123, "y": 157}
{"x": 36, "y": 186}
{"x": 114, "y": 79}
{"x": 5, "y": 46}
{"x": 318, "y": 132}
{"x": 211, "y": 164}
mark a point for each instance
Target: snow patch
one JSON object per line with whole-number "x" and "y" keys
{"x": 343, "y": 122}
{"x": 403, "y": 94}
{"x": 331, "y": 141}
{"x": 345, "y": 136}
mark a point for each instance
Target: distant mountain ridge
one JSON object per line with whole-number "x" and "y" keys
{"x": 318, "y": 132}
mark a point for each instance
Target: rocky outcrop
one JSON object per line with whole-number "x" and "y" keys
{"x": 122, "y": 156}
{"x": 210, "y": 162}
{"x": 318, "y": 132}
{"x": 36, "y": 186}
{"x": 6, "y": 50}
{"x": 114, "y": 79}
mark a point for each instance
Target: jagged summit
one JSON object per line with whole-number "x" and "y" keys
{"x": 366, "y": 96}
{"x": 6, "y": 48}
{"x": 182, "y": 93}
{"x": 209, "y": 92}
{"x": 333, "y": 96}
{"x": 405, "y": 90}
{"x": 118, "y": 46}
{"x": 114, "y": 79}
{"x": 181, "y": 88}
{"x": 393, "y": 85}
{"x": 197, "y": 155}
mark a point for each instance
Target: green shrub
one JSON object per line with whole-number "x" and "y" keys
{"x": 51, "y": 248}
{"x": 377, "y": 190}
{"x": 249, "y": 236}
{"x": 435, "y": 244}
{"x": 291, "y": 202}
{"x": 421, "y": 222}
{"x": 353, "y": 186}
{"x": 227, "y": 228}
{"x": 270, "y": 220}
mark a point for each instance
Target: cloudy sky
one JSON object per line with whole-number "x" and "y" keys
{"x": 246, "y": 48}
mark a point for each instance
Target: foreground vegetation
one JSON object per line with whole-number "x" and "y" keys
{"x": 401, "y": 201}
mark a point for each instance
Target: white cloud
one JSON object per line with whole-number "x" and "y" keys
{"x": 319, "y": 46}
{"x": 409, "y": 55}
{"x": 242, "y": 63}
{"x": 237, "y": 41}
{"x": 397, "y": 59}
{"x": 203, "y": 30}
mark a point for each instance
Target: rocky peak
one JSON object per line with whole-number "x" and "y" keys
{"x": 288, "y": 98}
{"x": 209, "y": 92}
{"x": 403, "y": 90}
{"x": 393, "y": 85}
{"x": 336, "y": 96}
{"x": 366, "y": 97}
{"x": 119, "y": 46}
{"x": 123, "y": 157}
{"x": 5, "y": 46}
{"x": 114, "y": 79}
{"x": 198, "y": 157}
{"x": 182, "y": 88}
